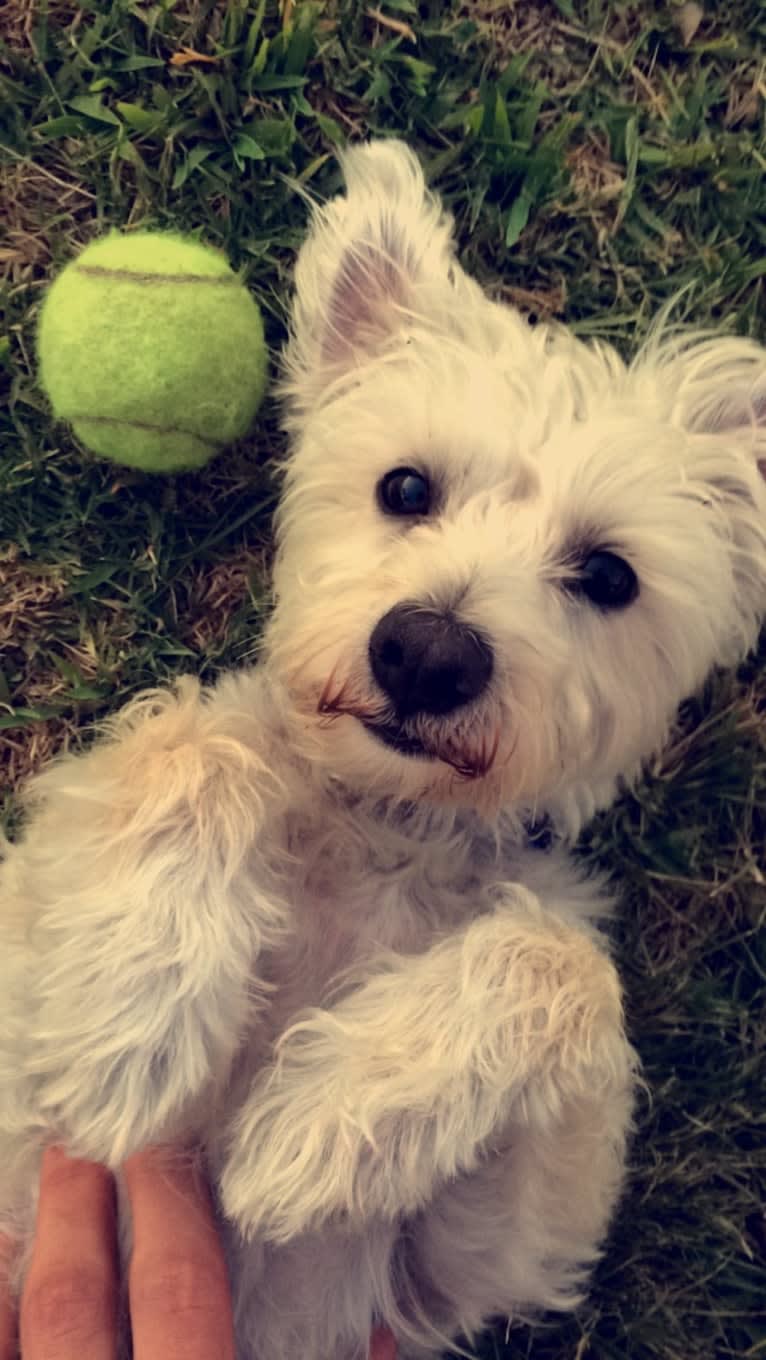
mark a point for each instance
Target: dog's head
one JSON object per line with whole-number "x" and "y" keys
{"x": 504, "y": 557}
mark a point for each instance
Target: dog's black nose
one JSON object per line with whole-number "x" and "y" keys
{"x": 428, "y": 662}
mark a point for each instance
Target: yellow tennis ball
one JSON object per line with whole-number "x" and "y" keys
{"x": 152, "y": 348}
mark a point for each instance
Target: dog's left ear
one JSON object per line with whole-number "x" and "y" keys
{"x": 716, "y": 389}
{"x": 372, "y": 261}
{"x": 720, "y": 388}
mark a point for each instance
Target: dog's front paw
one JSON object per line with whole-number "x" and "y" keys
{"x": 276, "y": 1188}
{"x": 292, "y": 1159}
{"x": 315, "y": 1140}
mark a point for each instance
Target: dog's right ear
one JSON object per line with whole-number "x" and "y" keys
{"x": 369, "y": 265}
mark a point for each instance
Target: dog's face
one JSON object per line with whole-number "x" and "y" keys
{"x": 504, "y": 557}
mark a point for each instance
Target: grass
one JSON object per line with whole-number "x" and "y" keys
{"x": 597, "y": 157}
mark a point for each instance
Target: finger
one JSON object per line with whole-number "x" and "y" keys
{"x": 180, "y": 1303}
{"x": 69, "y": 1301}
{"x": 382, "y": 1344}
{"x": 7, "y": 1311}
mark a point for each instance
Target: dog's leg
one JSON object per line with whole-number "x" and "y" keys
{"x": 374, "y": 1103}
{"x": 521, "y": 1234}
{"x": 142, "y": 916}
{"x": 319, "y": 1297}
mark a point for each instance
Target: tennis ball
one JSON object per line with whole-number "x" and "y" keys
{"x": 153, "y": 350}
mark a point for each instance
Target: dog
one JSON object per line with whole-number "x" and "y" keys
{"x": 299, "y": 919}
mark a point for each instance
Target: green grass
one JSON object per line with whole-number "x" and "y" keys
{"x": 596, "y": 161}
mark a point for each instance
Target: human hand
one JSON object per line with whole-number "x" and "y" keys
{"x": 180, "y": 1306}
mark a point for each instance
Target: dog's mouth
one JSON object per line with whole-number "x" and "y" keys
{"x": 396, "y": 739}
{"x": 471, "y": 759}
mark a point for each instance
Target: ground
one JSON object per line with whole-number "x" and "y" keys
{"x": 598, "y": 157}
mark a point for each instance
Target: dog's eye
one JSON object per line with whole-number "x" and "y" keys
{"x": 607, "y": 581}
{"x": 404, "y": 492}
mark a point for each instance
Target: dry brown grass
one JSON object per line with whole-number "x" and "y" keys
{"x": 33, "y": 200}
{"x": 513, "y": 26}
{"x": 212, "y": 597}
{"x": 47, "y": 648}
{"x": 30, "y": 606}
{"x": 19, "y": 18}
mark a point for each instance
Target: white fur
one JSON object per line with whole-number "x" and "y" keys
{"x": 242, "y": 920}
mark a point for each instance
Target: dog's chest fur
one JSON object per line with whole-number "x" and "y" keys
{"x": 360, "y": 883}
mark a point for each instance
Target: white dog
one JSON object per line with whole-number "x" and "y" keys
{"x": 297, "y": 918}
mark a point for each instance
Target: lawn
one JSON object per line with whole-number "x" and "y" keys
{"x": 597, "y": 157}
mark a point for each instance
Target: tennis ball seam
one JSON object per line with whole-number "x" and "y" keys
{"x": 134, "y": 276}
{"x": 85, "y": 419}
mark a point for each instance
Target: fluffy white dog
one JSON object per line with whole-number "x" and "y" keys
{"x": 297, "y": 918}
